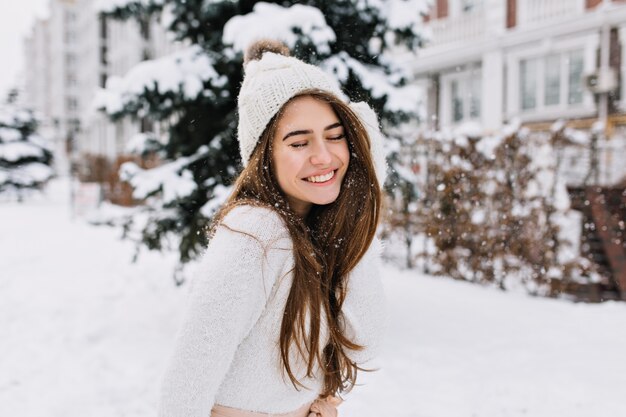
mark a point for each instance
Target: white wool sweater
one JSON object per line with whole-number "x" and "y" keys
{"x": 227, "y": 351}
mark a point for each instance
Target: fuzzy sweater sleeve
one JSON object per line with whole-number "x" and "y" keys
{"x": 364, "y": 311}
{"x": 228, "y": 295}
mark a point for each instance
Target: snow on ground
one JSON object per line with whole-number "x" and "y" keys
{"x": 83, "y": 332}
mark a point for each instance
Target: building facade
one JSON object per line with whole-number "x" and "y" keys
{"x": 489, "y": 61}
{"x": 51, "y": 71}
{"x": 492, "y": 62}
{"x": 536, "y": 61}
{"x": 69, "y": 57}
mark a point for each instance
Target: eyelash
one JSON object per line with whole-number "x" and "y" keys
{"x": 333, "y": 138}
{"x": 338, "y": 137}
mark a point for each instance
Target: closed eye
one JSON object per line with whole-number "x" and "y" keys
{"x": 298, "y": 145}
{"x": 338, "y": 137}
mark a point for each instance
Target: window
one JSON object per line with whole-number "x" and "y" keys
{"x": 552, "y": 80}
{"x": 70, "y": 16}
{"x": 474, "y": 96}
{"x": 146, "y": 54}
{"x": 575, "y": 75}
{"x": 72, "y": 103}
{"x": 70, "y": 59}
{"x": 144, "y": 29}
{"x": 70, "y": 36}
{"x": 104, "y": 55}
{"x": 528, "y": 83}
{"x": 74, "y": 125}
{"x": 71, "y": 80}
{"x": 461, "y": 96}
{"x": 457, "y": 102}
{"x": 103, "y": 27}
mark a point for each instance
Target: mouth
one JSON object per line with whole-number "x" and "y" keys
{"x": 321, "y": 179}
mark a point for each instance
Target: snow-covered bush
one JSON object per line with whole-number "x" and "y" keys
{"x": 193, "y": 92}
{"x": 25, "y": 156}
{"x": 492, "y": 209}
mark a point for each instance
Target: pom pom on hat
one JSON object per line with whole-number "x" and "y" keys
{"x": 256, "y": 50}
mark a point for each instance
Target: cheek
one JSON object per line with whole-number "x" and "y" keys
{"x": 345, "y": 154}
{"x": 286, "y": 167}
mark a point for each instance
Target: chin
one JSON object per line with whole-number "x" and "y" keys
{"x": 325, "y": 201}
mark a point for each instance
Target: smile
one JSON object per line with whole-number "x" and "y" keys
{"x": 321, "y": 178}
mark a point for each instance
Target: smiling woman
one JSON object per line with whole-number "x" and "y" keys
{"x": 287, "y": 305}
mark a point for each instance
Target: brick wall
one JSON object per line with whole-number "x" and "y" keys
{"x": 590, "y": 4}
{"x": 511, "y": 13}
{"x": 442, "y": 8}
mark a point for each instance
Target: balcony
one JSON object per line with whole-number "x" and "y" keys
{"x": 487, "y": 17}
{"x": 461, "y": 28}
{"x": 540, "y": 12}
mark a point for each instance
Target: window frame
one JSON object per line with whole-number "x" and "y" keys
{"x": 464, "y": 79}
{"x": 541, "y": 50}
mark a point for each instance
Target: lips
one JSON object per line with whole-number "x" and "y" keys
{"x": 321, "y": 178}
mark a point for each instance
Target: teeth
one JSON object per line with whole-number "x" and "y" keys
{"x": 321, "y": 178}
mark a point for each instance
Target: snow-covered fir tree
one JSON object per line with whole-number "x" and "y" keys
{"x": 192, "y": 93}
{"x": 25, "y": 156}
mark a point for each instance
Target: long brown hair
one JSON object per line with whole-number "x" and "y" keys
{"x": 327, "y": 245}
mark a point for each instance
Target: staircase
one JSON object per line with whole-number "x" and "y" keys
{"x": 604, "y": 237}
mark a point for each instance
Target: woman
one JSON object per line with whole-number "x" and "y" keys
{"x": 286, "y": 306}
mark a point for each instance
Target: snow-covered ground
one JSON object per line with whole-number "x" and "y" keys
{"x": 86, "y": 333}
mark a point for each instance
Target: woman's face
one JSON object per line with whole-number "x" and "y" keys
{"x": 310, "y": 153}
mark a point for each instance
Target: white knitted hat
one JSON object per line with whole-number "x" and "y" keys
{"x": 271, "y": 81}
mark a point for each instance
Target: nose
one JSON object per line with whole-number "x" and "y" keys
{"x": 321, "y": 154}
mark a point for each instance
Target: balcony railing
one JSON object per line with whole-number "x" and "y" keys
{"x": 460, "y": 28}
{"x": 534, "y": 12}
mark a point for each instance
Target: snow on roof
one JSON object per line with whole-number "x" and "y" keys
{"x": 277, "y": 22}
{"x": 184, "y": 72}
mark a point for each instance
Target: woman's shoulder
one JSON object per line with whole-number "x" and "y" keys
{"x": 372, "y": 257}
{"x": 376, "y": 247}
{"x": 261, "y": 222}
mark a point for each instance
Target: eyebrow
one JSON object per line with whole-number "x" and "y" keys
{"x": 309, "y": 131}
